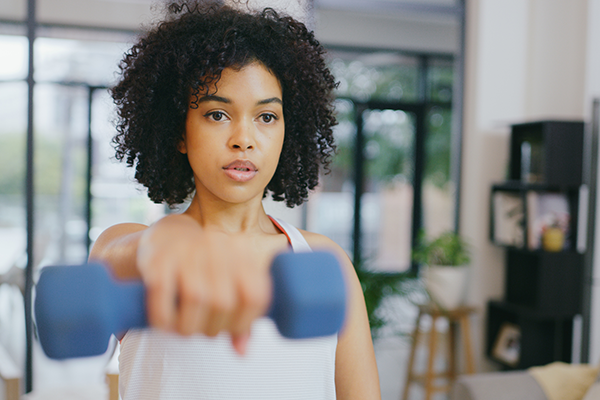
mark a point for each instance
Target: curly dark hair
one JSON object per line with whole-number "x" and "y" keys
{"x": 186, "y": 54}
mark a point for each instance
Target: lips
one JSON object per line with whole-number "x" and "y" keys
{"x": 240, "y": 170}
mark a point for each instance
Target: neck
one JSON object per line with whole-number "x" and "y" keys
{"x": 249, "y": 217}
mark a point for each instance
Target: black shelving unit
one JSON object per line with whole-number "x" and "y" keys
{"x": 543, "y": 291}
{"x": 545, "y": 337}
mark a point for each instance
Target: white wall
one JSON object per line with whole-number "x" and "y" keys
{"x": 592, "y": 90}
{"x": 525, "y": 60}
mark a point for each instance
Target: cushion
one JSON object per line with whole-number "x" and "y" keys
{"x": 593, "y": 392}
{"x": 513, "y": 385}
{"x": 561, "y": 381}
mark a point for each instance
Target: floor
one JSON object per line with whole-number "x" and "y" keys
{"x": 392, "y": 359}
{"x": 392, "y": 349}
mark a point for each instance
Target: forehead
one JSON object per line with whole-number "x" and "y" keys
{"x": 254, "y": 77}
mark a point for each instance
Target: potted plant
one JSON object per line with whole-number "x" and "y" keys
{"x": 446, "y": 259}
{"x": 377, "y": 286}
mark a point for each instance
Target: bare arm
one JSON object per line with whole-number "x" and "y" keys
{"x": 117, "y": 247}
{"x": 356, "y": 374}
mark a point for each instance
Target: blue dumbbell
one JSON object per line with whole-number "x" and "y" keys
{"x": 78, "y": 308}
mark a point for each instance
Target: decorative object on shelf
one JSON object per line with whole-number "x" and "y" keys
{"x": 507, "y": 348}
{"x": 447, "y": 259}
{"x": 553, "y": 238}
{"x": 548, "y": 220}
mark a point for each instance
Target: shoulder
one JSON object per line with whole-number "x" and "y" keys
{"x": 317, "y": 241}
{"x": 112, "y": 240}
{"x": 119, "y": 230}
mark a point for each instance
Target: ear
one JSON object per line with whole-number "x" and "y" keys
{"x": 182, "y": 147}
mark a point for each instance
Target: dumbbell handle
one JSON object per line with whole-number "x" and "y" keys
{"x": 77, "y": 308}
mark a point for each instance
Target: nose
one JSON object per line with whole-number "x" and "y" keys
{"x": 242, "y": 137}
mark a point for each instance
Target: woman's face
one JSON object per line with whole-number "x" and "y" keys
{"x": 234, "y": 137}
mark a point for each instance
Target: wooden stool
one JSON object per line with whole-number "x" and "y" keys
{"x": 459, "y": 316}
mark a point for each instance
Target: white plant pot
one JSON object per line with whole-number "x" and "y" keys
{"x": 446, "y": 285}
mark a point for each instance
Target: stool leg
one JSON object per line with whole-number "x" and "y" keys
{"x": 430, "y": 374}
{"x": 411, "y": 358}
{"x": 451, "y": 349}
{"x": 466, "y": 334}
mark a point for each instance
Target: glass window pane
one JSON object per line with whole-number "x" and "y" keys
{"x": 438, "y": 194}
{"x": 116, "y": 196}
{"x": 378, "y": 76}
{"x": 13, "y": 232}
{"x": 60, "y": 173}
{"x": 13, "y": 97}
{"x": 14, "y": 51}
{"x": 66, "y": 60}
{"x": 387, "y": 204}
{"x": 330, "y": 210}
{"x": 440, "y": 79}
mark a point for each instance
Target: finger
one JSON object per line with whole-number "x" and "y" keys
{"x": 194, "y": 294}
{"x": 161, "y": 299}
{"x": 221, "y": 310}
{"x": 254, "y": 291}
{"x": 240, "y": 343}
{"x": 223, "y": 274}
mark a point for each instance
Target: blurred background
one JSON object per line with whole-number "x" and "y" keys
{"x": 428, "y": 91}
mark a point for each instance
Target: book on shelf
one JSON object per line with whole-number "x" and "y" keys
{"x": 508, "y": 219}
{"x": 544, "y": 211}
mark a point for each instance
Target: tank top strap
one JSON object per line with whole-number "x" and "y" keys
{"x": 295, "y": 238}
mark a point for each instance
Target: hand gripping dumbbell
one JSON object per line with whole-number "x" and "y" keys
{"x": 78, "y": 308}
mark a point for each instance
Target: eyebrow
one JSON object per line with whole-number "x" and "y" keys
{"x": 271, "y": 100}
{"x": 228, "y": 101}
{"x": 213, "y": 98}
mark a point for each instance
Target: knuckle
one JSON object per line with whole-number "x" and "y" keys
{"x": 193, "y": 294}
{"x": 251, "y": 297}
{"x": 184, "y": 329}
{"x": 222, "y": 303}
{"x": 154, "y": 284}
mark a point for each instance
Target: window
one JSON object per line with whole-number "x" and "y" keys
{"x": 391, "y": 177}
{"x": 73, "y": 200}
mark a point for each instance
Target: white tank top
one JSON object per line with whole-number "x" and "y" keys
{"x": 158, "y": 365}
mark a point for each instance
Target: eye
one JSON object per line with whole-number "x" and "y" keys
{"x": 268, "y": 118}
{"x": 215, "y": 115}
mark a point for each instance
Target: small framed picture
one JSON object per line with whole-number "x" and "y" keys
{"x": 507, "y": 348}
{"x": 507, "y": 219}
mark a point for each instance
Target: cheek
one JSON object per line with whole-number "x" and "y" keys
{"x": 277, "y": 148}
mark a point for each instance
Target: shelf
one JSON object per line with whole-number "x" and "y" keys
{"x": 548, "y": 282}
{"x": 545, "y": 151}
{"x": 544, "y": 338}
{"x": 520, "y": 212}
{"x": 538, "y": 208}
